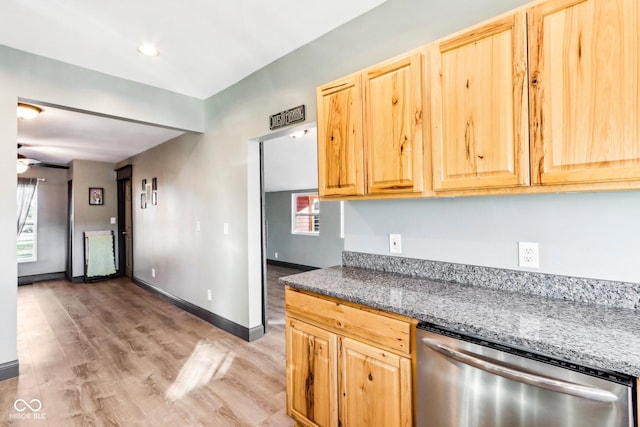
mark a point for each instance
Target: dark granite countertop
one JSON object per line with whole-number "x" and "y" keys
{"x": 593, "y": 335}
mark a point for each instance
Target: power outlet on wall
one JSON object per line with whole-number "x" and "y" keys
{"x": 276, "y": 255}
{"x": 395, "y": 244}
{"x": 529, "y": 254}
{"x": 153, "y": 272}
{"x": 209, "y": 295}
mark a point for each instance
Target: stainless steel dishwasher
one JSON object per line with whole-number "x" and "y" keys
{"x": 464, "y": 381}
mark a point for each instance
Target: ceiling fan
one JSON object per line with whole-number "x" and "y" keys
{"x": 23, "y": 163}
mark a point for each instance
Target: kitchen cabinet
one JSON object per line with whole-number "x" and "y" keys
{"x": 370, "y": 131}
{"x": 347, "y": 365}
{"x": 585, "y": 107}
{"x": 479, "y": 107}
{"x": 375, "y": 386}
{"x": 340, "y": 144}
{"x": 312, "y": 374}
{"x": 393, "y": 126}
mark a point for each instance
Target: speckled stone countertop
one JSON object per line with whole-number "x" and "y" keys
{"x": 594, "y": 335}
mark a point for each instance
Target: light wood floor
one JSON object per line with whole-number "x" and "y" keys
{"x": 105, "y": 353}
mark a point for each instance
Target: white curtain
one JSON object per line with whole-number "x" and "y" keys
{"x": 27, "y": 188}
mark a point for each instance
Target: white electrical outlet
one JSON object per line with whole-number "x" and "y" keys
{"x": 529, "y": 254}
{"x": 153, "y": 272}
{"x": 395, "y": 244}
{"x": 209, "y": 295}
{"x": 276, "y": 255}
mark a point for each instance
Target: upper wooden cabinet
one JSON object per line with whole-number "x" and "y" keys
{"x": 370, "y": 131}
{"x": 584, "y": 59}
{"x": 393, "y": 126}
{"x": 340, "y": 149}
{"x": 479, "y": 107}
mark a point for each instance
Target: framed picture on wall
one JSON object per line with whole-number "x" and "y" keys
{"x": 96, "y": 196}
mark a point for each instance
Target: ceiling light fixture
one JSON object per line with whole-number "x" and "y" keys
{"x": 148, "y": 50}
{"x": 21, "y": 168}
{"x": 27, "y": 111}
{"x": 299, "y": 134}
{"x": 23, "y": 163}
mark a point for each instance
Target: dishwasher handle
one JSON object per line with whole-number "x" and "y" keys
{"x": 552, "y": 384}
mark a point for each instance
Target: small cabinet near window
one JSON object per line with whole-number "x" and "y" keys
{"x": 585, "y": 106}
{"x": 479, "y": 107}
{"x": 370, "y": 131}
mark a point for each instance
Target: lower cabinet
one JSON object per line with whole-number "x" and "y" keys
{"x": 312, "y": 357}
{"x": 338, "y": 376}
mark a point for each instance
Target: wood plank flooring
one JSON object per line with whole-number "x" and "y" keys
{"x": 104, "y": 354}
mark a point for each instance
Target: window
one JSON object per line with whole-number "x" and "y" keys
{"x": 305, "y": 214}
{"x": 27, "y": 240}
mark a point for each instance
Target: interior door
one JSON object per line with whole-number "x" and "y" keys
{"x": 128, "y": 230}
{"x": 125, "y": 222}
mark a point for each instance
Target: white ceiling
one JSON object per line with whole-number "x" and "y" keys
{"x": 291, "y": 164}
{"x": 59, "y": 136}
{"x": 205, "y": 46}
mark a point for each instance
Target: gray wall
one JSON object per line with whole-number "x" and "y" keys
{"x": 324, "y": 250}
{"x": 216, "y": 175}
{"x": 27, "y": 76}
{"x": 52, "y": 222}
{"x": 86, "y": 174}
{"x": 583, "y": 234}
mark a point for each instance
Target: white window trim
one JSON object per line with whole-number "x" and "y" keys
{"x": 34, "y": 258}
{"x": 294, "y": 214}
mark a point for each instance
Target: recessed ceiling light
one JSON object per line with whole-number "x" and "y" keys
{"x": 148, "y": 50}
{"x": 299, "y": 134}
{"x": 27, "y": 112}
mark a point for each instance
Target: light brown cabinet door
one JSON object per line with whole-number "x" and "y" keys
{"x": 340, "y": 146}
{"x": 311, "y": 374}
{"x": 584, "y": 59}
{"x": 479, "y": 107}
{"x": 375, "y": 387}
{"x": 393, "y": 126}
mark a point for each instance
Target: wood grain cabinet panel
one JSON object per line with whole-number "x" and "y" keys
{"x": 393, "y": 126}
{"x": 370, "y": 127}
{"x": 311, "y": 374}
{"x": 479, "y": 107}
{"x": 338, "y": 372}
{"x": 340, "y": 148}
{"x": 584, "y": 60}
{"x": 375, "y": 387}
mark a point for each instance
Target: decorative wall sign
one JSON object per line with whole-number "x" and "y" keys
{"x": 96, "y": 196}
{"x": 287, "y": 117}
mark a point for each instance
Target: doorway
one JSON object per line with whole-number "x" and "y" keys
{"x": 125, "y": 221}
{"x": 285, "y": 164}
